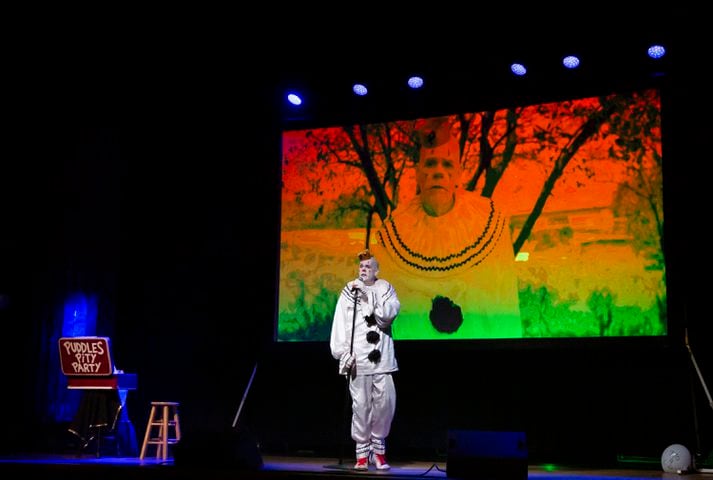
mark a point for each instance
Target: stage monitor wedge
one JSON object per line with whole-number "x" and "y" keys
{"x": 487, "y": 455}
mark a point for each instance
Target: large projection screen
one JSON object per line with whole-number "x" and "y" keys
{"x": 557, "y": 230}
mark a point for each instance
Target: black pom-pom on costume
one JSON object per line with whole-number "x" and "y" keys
{"x": 372, "y": 336}
{"x": 375, "y": 356}
{"x": 370, "y": 320}
{"x": 445, "y": 315}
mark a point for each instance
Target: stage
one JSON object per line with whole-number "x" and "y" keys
{"x": 107, "y": 468}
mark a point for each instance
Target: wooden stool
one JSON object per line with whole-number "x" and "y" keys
{"x": 164, "y": 415}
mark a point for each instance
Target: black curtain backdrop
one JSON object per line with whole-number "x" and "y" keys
{"x": 171, "y": 217}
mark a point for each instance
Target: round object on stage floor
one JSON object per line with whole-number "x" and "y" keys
{"x": 676, "y": 458}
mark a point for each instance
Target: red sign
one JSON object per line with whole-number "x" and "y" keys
{"x": 85, "y": 356}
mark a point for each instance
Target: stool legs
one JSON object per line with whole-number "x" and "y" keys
{"x": 168, "y": 418}
{"x": 163, "y": 435}
{"x": 147, "y": 435}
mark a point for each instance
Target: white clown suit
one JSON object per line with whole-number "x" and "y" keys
{"x": 371, "y": 362}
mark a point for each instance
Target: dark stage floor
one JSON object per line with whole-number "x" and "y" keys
{"x": 107, "y": 468}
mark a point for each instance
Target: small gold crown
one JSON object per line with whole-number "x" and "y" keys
{"x": 434, "y": 132}
{"x": 365, "y": 255}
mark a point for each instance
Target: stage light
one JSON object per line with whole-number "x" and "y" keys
{"x": 360, "y": 89}
{"x": 570, "y": 61}
{"x": 656, "y": 51}
{"x": 294, "y": 99}
{"x": 518, "y": 69}
{"x": 415, "y": 82}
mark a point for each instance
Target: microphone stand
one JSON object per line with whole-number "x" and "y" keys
{"x": 245, "y": 394}
{"x": 347, "y": 395}
{"x": 705, "y": 390}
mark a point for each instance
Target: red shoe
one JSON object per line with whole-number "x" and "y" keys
{"x": 379, "y": 460}
{"x": 362, "y": 464}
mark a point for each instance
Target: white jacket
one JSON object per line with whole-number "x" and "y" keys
{"x": 384, "y": 304}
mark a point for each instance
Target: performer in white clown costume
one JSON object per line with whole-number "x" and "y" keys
{"x": 362, "y": 342}
{"x": 449, "y": 252}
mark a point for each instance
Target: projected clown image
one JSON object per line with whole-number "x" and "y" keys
{"x": 451, "y": 249}
{"x": 542, "y": 221}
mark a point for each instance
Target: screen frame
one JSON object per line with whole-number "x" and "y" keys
{"x": 673, "y": 328}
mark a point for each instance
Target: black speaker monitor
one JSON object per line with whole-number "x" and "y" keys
{"x": 486, "y": 455}
{"x": 218, "y": 449}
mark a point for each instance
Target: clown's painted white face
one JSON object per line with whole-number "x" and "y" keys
{"x": 368, "y": 270}
{"x": 438, "y": 174}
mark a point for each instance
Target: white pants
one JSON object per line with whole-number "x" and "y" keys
{"x": 373, "y": 408}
